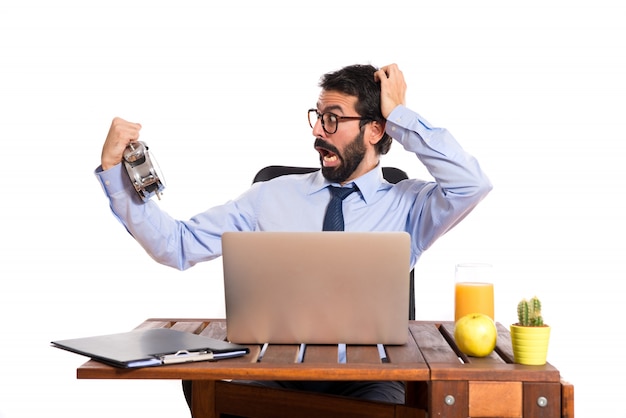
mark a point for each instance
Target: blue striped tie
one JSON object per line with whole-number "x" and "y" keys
{"x": 333, "y": 221}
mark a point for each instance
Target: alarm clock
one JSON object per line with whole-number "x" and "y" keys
{"x": 143, "y": 171}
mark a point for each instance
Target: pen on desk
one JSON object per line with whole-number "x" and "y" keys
{"x": 382, "y": 353}
{"x": 301, "y": 351}
{"x": 184, "y": 356}
{"x": 262, "y": 353}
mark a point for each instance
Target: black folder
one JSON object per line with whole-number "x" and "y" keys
{"x": 151, "y": 347}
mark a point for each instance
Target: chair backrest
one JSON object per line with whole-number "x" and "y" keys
{"x": 391, "y": 174}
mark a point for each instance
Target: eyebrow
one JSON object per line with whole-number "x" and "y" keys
{"x": 331, "y": 107}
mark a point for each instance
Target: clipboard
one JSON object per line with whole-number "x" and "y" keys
{"x": 151, "y": 347}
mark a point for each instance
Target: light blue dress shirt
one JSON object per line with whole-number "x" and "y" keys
{"x": 424, "y": 209}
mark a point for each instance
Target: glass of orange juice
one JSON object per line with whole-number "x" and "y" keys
{"x": 473, "y": 291}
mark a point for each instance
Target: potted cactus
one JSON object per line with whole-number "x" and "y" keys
{"x": 530, "y": 336}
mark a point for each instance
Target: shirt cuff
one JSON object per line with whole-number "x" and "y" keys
{"x": 113, "y": 180}
{"x": 404, "y": 118}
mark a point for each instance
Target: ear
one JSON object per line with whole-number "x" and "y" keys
{"x": 375, "y": 132}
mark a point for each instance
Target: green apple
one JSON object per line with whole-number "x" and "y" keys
{"x": 475, "y": 334}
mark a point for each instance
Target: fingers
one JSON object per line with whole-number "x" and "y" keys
{"x": 392, "y": 88}
{"x": 124, "y": 131}
{"x": 386, "y": 72}
{"x": 121, "y": 133}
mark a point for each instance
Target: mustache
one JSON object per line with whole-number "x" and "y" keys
{"x": 319, "y": 142}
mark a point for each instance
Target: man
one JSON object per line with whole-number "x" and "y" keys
{"x": 358, "y": 112}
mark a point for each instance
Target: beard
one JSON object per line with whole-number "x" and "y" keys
{"x": 350, "y": 159}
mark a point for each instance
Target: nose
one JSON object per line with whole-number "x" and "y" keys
{"x": 318, "y": 130}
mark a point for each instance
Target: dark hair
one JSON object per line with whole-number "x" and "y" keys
{"x": 358, "y": 80}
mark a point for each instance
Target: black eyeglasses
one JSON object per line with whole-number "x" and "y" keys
{"x": 330, "y": 121}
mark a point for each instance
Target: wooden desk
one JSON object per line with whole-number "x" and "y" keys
{"x": 439, "y": 378}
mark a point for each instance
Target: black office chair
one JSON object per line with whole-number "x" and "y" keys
{"x": 391, "y": 174}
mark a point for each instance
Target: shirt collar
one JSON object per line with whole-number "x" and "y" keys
{"x": 368, "y": 184}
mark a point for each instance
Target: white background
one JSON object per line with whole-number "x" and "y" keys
{"x": 535, "y": 91}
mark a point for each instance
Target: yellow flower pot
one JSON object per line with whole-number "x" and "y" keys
{"x": 530, "y": 344}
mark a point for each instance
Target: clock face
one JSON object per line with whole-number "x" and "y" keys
{"x": 156, "y": 170}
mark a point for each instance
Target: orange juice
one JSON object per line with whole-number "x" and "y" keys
{"x": 473, "y": 297}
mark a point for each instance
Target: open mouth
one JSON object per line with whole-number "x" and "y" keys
{"x": 328, "y": 157}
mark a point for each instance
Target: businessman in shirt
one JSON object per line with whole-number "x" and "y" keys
{"x": 359, "y": 112}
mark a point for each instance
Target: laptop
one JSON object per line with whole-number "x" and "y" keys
{"x": 316, "y": 287}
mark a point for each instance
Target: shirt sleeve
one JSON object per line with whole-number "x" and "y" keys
{"x": 175, "y": 243}
{"x": 460, "y": 184}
